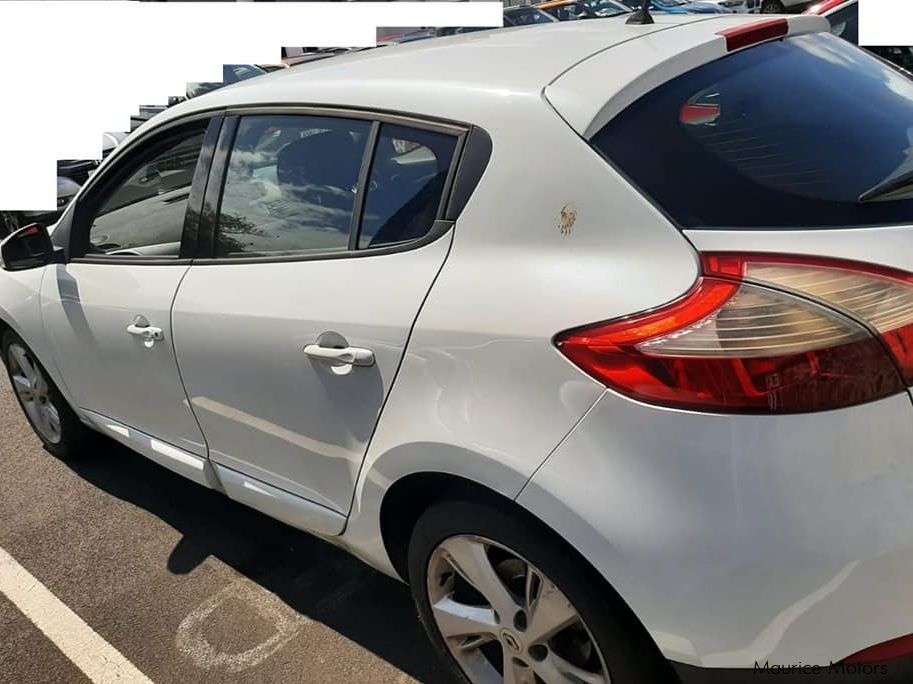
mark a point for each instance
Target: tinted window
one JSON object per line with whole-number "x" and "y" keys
{"x": 566, "y": 12}
{"x": 845, "y": 23}
{"x": 606, "y": 8}
{"x": 144, "y": 215}
{"x": 788, "y": 134}
{"x": 407, "y": 180}
{"x": 526, "y": 17}
{"x": 290, "y": 186}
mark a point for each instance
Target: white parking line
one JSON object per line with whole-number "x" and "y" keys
{"x": 98, "y": 659}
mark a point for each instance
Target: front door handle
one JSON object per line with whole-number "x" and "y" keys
{"x": 348, "y": 355}
{"x": 141, "y": 328}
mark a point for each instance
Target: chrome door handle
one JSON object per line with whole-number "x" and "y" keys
{"x": 348, "y": 355}
{"x": 149, "y": 333}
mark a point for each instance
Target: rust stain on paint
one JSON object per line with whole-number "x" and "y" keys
{"x": 567, "y": 219}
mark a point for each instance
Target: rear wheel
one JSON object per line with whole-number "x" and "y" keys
{"x": 49, "y": 414}
{"x": 772, "y": 7}
{"x": 503, "y": 601}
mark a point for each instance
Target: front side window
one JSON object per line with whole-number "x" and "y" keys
{"x": 408, "y": 174}
{"x": 291, "y": 185}
{"x": 144, "y": 214}
{"x": 807, "y": 132}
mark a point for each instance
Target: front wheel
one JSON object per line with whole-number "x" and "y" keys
{"x": 49, "y": 414}
{"x": 503, "y": 600}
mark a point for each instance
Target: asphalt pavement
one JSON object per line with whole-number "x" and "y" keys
{"x": 187, "y": 585}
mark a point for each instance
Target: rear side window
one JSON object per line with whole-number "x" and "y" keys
{"x": 788, "y": 134}
{"x": 845, "y": 23}
{"x": 408, "y": 174}
{"x": 291, "y": 185}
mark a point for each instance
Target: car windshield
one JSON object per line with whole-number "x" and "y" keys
{"x": 789, "y": 134}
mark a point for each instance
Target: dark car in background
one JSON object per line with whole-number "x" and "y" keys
{"x": 570, "y": 10}
{"x": 679, "y": 7}
{"x": 526, "y": 16}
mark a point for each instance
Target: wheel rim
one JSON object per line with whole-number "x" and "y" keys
{"x": 504, "y": 621}
{"x": 769, "y": 8}
{"x": 33, "y": 391}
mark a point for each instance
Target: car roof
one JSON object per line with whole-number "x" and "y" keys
{"x": 468, "y": 77}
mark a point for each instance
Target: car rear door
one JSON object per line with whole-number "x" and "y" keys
{"x": 326, "y": 238}
{"x": 107, "y": 310}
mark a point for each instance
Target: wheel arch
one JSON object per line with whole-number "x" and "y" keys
{"x": 410, "y": 496}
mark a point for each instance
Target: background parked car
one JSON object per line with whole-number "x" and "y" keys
{"x": 844, "y": 18}
{"x": 779, "y": 6}
{"x": 679, "y": 7}
{"x": 569, "y": 10}
{"x": 13, "y": 220}
{"x": 740, "y": 6}
{"x": 231, "y": 73}
{"x": 110, "y": 140}
{"x": 526, "y": 16}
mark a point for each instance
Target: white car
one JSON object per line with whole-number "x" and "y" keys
{"x": 609, "y": 364}
{"x": 778, "y": 6}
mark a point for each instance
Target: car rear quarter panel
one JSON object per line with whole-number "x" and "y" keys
{"x": 744, "y": 538}
{"x": 551, "y": 239}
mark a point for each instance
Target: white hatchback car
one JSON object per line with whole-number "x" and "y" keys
{"x": 597, "y": 334}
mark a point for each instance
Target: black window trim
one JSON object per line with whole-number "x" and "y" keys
{"x": 120, "y": 167}
{"x": 447, "y": 210}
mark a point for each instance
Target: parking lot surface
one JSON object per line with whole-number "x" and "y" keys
{"x": 185, "y": 584}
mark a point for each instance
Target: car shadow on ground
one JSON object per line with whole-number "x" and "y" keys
{"x": 313, "y": 577}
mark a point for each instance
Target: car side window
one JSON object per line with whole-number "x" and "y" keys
{"x": 408, "y": 175}
{"x": 290, "y": 186}
{"x": 845, "y": 23}
{"x": 143, "y": 216}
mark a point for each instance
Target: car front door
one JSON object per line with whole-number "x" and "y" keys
{"x": 107, "y": 310}
{"x": 327, "y": 239}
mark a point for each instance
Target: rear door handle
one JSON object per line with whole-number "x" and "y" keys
{"x": 348, "y": 355}
{"x": 141, "y": 328}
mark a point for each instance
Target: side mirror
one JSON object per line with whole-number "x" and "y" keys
{"x": 28, "y": 247}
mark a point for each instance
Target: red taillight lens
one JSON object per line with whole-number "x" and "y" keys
{"x": 878, "y": 297}
{"x": 738, "y": 347}
{"x": 895, "y": 649}
{"x": 752, "y": 34}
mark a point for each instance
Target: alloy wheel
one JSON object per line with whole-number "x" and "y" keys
{"x": 504, "y": 621}
{"x": 33, "y": 391}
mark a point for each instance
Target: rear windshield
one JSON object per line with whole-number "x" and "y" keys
{"x": 784, "y": 135}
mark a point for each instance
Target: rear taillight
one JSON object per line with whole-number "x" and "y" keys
{"x": 752, "y": 34}
{"x": 762, "y": 334}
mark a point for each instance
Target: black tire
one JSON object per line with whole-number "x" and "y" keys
{"x": 630, "y": 655}
{"x": 74, "y": 435}
{"x": 772, "y": 7}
